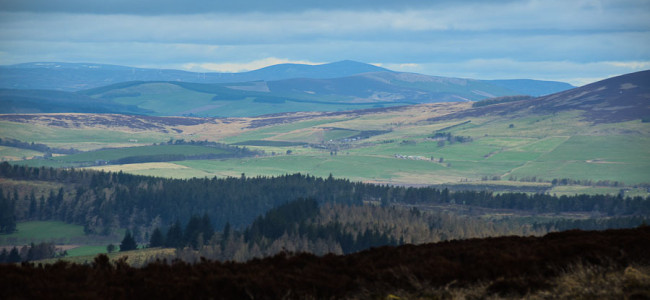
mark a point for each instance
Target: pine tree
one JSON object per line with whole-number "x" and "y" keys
{"x": 32, "y": 205}
{"x": 41, "y": 208}
{"x": 192, "y": 231}
{"x": 206, "y": 227}
{"x": 174, "y": 237}
{"x": 3, "y": 256}
{"x": 7, "y": 214}
{"x": 14, "y": 256}
{"x": 226, "y": 236}
{"x": 128, "y": 243}
{"x": 157, "y": 239}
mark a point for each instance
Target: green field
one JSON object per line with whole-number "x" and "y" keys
{"x": 44, "y": 231}
{"x": 615, "y": 158}
{"x": 11, "y": 153}
{"x": 373, "y": 168}
{"x": 547, "y": 147}
{"x": 134, "y": 258}
{"x": 82, "y": 139}
{"x": 118, "y": 153}
{"x": 86, "y": 251}
{"x": 504, "y": 153}
{"x": 263, "y": 143}
{"x": 123, "y": 153}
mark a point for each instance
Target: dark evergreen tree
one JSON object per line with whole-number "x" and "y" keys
{"x": 128, "y": 242}
{"x": 7, "y": 214}
{"x": 157, "y": 239}
{"x": 206, "y": 227}
{"x": 174, "y": 238}
{"x": 226, "y": 235}
{"x": 14, "y": 256}
{"x": 41, "y": 208}
{"x": 3, "y": 255}
{"x": 32, "y": 205}
{"x": 192, "y": 231}
{"x": 118, "y": 200}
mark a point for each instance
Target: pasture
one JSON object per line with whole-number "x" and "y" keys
{"x": 134, "y": 258}
{"x": 12, "y": 153}
{"x": 44, "y": 231}
{"x": 547, "y": 147}
{"x": 79, "y": 138}
{"x": 134, "y": 153}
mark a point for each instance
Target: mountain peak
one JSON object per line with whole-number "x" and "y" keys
{"x": 342, "y": 68}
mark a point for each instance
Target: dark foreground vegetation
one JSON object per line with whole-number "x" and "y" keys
{"x": 506, "y": 266}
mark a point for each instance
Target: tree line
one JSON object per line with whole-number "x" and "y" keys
{"x": 104, "y": 201}
{"x": 36, "y": 147}
{"x": 32, "y": 252}
{"x": 7, "y": 214}
{"x": 305, "y": 226}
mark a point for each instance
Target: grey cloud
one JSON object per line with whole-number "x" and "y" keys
{"x": 155, "y": 7}
{"x": 433, "y": 37}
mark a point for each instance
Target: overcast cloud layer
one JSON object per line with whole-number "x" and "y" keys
{"x": 573, "y": 41}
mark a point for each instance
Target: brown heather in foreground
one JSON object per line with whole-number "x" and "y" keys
{"x": 581, "y": 281}
{"x": 572, "y": 265}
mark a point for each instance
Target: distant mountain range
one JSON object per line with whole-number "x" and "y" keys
{"x": 280, "y": 88}
{"x": 80, "y": 76}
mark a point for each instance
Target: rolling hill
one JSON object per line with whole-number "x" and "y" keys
{"x": 279, "y": 88}
{"x": 309, "y": 88}
{"x": 368, "y": 90}
{"x": 618, "y": 99}
{"x": 594, "y": 136}
{"x": 47, "y": 101}
{"x": 80, "y": 76}
{"x": 540, "y": 140}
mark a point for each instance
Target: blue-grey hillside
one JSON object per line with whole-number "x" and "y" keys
{"x": 532, "y": 87}
{"x": 345, "y": 85}
{"x": 240, "y": 99}
{"x": 47, "y": 101}
{"x": 81, "y": 76}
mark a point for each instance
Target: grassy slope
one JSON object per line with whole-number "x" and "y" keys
{"x": 560, "y": 145}
{"x": 11, "y": 153}
{"x": 112, "y": 154}
{"x": 182, "y": 99}
{"x": 134, "y": 258}
{"x": 82, "y": 139}
{"x": 121, "y": 153}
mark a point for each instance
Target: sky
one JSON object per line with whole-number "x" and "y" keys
{"x": 575, "y": 41}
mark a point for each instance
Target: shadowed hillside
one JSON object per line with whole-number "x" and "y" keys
{"x": 44, "y": 101}
{"x": 618, "y": 99}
